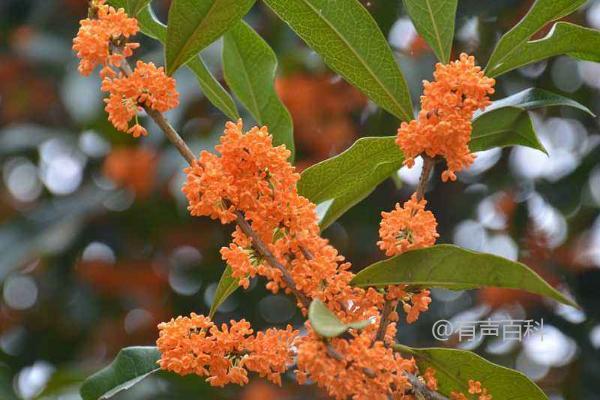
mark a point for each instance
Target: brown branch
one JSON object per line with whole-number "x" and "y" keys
{"x": 428, "y": 164}
{"x": 418, "y": 387}
{"x": 264, "y": 251}
{"x": 388, "y": 308}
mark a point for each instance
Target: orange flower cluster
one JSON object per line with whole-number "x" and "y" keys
{"x": 255, "y": 179}
{"x": 97, "y": 36}
{"x": 430, "y": 379}
{"x": 474, "y": 388}
{"x": 365, "y": 370}
{"x": 413, "y": 303}
{"x": 148, "y": 86}
{"x": 103, "y": 40}
{"x": 443, "y": 127}
{"x": 195, "y": 345}
{"x": 408, "y": 227}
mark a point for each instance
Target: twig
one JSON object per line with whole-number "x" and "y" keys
{"x": 418, "y": 387}
{"x": 428, "y": 164}
{"x": 389, "y": 306}
{"x": 264, "y": 251}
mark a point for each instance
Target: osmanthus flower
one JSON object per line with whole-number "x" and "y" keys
{"x": 420, "y": 303}
{"x": 252, "y": 177}
{"x": 148, "y": 86}
{"x": 430, "y": 379}
{"x": 407, "y": 227}
{"x": 443, "y": 127}
{"x": 363, "y": 370}
{"x": 195, "y": 345}
{"x": 475, "y": 388}
{"x": 97, "y": 36}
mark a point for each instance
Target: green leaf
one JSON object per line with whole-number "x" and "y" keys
{"x": 564, "y": 38}
{"x": 451, "y": 267}
{"x": 131, "y": 366}
{"x": 194, "y": 24}
{"x": 135, "y": 6}
{"x": 454, "y": 368}
{"x": 350, "y": 42}
{"x": 533, "y": 98}
{"x": 340, "y": 182}
{"x": 249, "y": 66}
{"x": 227, "y": 285}
{"x": 434, "y": 20}
{"x": 337, "y": 184}
{"x": 327, "y": 324}
{"x": 212, "y": 89}
{"x": 210, "y": 86}
{"x": 541, "y": 13}
{"x": 507, "y": 126}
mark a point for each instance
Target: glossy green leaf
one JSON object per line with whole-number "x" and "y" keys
{"x": 507, "y": 126}
{"x": 212, "y": 89}
{"x": 564, "y": 38}
{"x": 533, "y": 98}
{"x": 227, "y": 285}
{"x": 135, "y": 6}
{"x": 434, "y": 20}
{"x": 210, "y": 86}
{"x": 327, "y": 324}
{"x": 541, "y": 13}
{"x": 338, "y": 183}
{"x": 249, "y": 66}
{"x": 454, "y": 368}
{"x": 350, "y": 42}
{"x": 451, "y": 267}
{"x": 131, "y": 365}
{"x": 194, "y": 24}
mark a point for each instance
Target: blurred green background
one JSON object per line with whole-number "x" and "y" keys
{"x": 96, "y": 245}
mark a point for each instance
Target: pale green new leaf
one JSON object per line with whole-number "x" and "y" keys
{"x": 434, "y": 20}
{"x": 194, "y": 24}
{"x": 564, "y": 38}
{"x": 541, "y": 13}
{"x": 249, "y": 66}
{"x": 451, "y": 267}
{"x": 227, "y": 285}
{"x": 209, "y": 85}
{"x": 350, "y": 42}
{"x": 327, "y": 324}
{"x": 454, "y": 368}
{"x": 131, "y": 365}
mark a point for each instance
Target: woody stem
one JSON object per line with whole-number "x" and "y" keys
{"x": 389, "y": 306}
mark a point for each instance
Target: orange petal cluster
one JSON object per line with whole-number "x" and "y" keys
{"x": 407, "y": 227}
{"x": 347, "y": 377}
{"x": 474, "y": 388}
{"x": 195, "y": 345}
{"x": 430, "y": 379}
{"x": 97, "y": 35}
{"x": 253, "y": 177}
{"x": 443, "y": 127}
{"x": 148, "y": 85}
{"x": 420, "y": 303}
